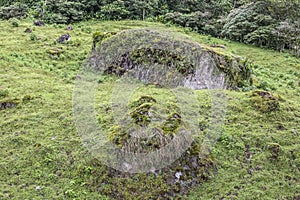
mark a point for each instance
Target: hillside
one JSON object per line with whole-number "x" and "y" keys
{"x": 41, "y": 153}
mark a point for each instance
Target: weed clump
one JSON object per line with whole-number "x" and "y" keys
{"x": 274, "y": 149}
{"x": 98, "y": 37}
{"x": 3, "y": 93}
{"x": 33, "y": 37}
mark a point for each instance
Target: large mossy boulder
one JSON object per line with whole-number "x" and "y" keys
{"x": 167, "y": 61}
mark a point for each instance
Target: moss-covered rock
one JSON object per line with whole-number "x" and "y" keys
{"x": 172, "y": 123}
{"x": 56, "y": 51}
{"x": 265, "y": 101}
{"x": 171, "y": 182}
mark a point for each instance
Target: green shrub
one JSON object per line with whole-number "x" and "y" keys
{"x": 33, "y": 37}
{"x": 3, "y": 93}
{"x": 15, "y": 23}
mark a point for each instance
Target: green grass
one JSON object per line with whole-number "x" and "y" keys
{"x": 41, "y": 155}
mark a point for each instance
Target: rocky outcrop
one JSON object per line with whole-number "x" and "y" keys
{"x": 150, "y": 56}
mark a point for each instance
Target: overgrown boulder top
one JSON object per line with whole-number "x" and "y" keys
{"x": 167, "y": 59}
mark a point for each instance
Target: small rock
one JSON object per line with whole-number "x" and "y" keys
{"x": 38, "y": 188}
{"x": 69, "y": 28}
{"x": 295, "y": 132}
{"x": 38, "y": 23}
{"x": 64, "y": 38}
{"x": 250, "y": 171}
{"x": 28, "y": 30}
{"x": 55, "y": 51}
{"x": 259, "y": 167}
{"x": 194, "y": 163}
{"x": 280, "y": 127}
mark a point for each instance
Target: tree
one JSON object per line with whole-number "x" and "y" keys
{"x": 248, "y": 22}
{"x": 61, "y": 11}
{"x": 17, "y": 10}
{"x": 115, "y": 10}
{"x": 142, "y": 9}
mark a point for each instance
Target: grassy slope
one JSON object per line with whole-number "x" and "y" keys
{"x": 39, "y": 145}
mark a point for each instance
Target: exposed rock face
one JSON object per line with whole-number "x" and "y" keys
{"x": 64, "y": 38}
{"x": 149, "y": 56}
{"x": 38, "y": 23}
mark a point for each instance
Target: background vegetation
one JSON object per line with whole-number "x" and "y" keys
{"x": 270, "y": 23}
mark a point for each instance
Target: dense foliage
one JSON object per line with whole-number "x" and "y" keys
{"x": 274, "y": 24}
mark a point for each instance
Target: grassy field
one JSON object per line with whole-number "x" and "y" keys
{"x": 41, "y": 154}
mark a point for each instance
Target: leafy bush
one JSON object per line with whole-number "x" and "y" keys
{"x": 287, "y": 36}
{"x": 33, "y": 37}
{"x": 63, "y": 12}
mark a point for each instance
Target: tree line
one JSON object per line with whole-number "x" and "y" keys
{"x": 270, "y": 23}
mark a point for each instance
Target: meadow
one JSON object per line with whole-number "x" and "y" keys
{"x": 41, "y": 153}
